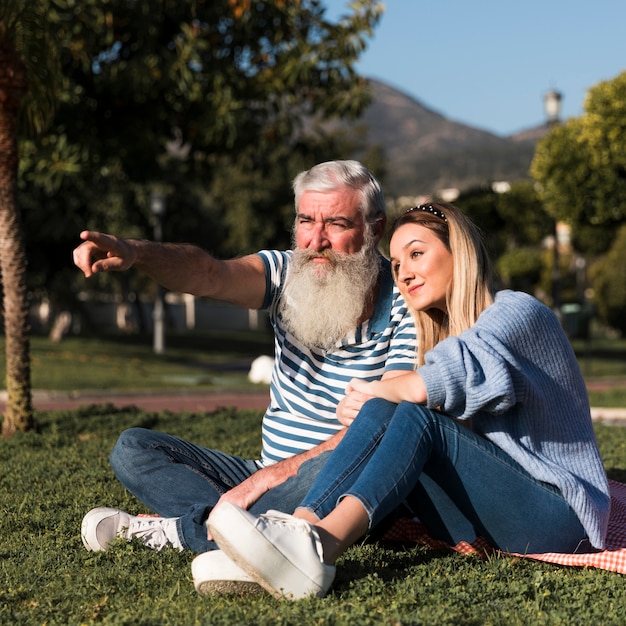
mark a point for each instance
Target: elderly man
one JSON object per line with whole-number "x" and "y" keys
{"x": 336, "y": 315}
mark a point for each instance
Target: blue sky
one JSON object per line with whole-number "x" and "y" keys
{"x": 488, "y": 63}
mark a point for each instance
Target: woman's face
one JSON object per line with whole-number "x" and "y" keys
{"x": 422, "y": 267}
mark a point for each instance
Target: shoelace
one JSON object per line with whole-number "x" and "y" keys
{"x": 150, "y": 530}
{"x": 296, "y": 525}
{"x": 277, "y": 518}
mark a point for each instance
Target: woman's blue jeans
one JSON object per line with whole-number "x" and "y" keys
{"x": 175, "y": 478}
{"x": 459, "y": 484}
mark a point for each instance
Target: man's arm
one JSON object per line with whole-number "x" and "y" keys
{"x": 178, "y": 267}
{"x": 250, "y": 490}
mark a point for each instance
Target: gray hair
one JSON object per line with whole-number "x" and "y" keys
{"x": 333, "y": 175}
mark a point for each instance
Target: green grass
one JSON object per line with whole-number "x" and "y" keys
{"x": 603, "y": 363}
{"x": 50, "y": 480}
{"x": 203, "y": 361}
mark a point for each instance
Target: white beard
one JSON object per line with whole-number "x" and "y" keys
{"x": 321, "y": 303}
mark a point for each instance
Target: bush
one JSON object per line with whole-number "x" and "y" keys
{"x": 608, "y": 277}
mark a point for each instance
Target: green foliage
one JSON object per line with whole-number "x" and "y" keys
{"x": 581, "y": 166}
{"x": 521, "y": 210}
{"x": 515, "y": 226}
{"x": 51, "y": 480}
{"x": 23, "y": 32}
{"x": 520, "y": 268}
{"x": 202, "y": 99}
{"x": 609, "y": 280}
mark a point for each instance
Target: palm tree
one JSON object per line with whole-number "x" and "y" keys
{"x": 28, "y": 71}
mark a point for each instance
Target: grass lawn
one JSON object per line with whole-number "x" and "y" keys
{"x": 50, "y": 480}
{"x": 201, "y": 361}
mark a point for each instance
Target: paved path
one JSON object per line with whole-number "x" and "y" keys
{"x": 198, "y": 402}
{"x": 614, "y": 417}
{"x": 172, "y": 401}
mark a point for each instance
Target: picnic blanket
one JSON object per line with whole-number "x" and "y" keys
{"x": 613, "y": 558}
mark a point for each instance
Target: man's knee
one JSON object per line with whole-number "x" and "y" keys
{"x": 126, "y": 445}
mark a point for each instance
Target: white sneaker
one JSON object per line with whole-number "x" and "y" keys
{"x": 282, "y": 553}
{"x": 100, "y": 526}
{"x": 215, "y": 574}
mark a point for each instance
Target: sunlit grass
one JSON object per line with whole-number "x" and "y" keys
{"x": 204, "y": 361}
{"x": 50, "y": 480}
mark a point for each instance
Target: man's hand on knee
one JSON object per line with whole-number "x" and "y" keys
{"x": 250, "y": 490}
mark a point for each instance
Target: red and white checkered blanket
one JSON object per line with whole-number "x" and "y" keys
{"x": 613, "y": 558}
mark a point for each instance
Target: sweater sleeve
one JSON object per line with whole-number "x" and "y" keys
{"x": 469, "y": 374}
{"x": 489, "y": 368}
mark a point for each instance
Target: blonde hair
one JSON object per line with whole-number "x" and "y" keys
{"x": 470, "y": 291}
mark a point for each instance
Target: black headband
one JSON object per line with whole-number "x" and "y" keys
{"x": 429, "y": 208}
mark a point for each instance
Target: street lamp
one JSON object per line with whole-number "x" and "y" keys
{"x": 158, "y": 205}
{"x": 552, "y": 104}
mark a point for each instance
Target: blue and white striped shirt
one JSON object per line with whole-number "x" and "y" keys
{"x": 307, "y": 384}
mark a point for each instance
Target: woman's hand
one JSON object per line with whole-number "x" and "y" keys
{"x": 350, "y": 405}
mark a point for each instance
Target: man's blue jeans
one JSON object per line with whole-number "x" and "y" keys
{"x": 459, "y": 484}
{"x": 175, "y": 478}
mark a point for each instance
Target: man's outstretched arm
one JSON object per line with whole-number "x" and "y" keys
{"x": 183, "y": 268}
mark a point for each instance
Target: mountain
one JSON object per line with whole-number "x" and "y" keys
{"x": 425, "y": 152}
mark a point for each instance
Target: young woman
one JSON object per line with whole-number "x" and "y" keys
{"x": 490, "y": 436}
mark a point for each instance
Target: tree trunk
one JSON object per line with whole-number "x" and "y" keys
{"x": 19, "y": 410}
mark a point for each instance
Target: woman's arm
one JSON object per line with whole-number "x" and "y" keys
{"x": 407, "y": 387}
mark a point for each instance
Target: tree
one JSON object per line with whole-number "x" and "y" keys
{"x": 609, "y": 281}
{"x": 27, "y": 61}
{"x": 212, "y": 101}
{"x": 581, "y": 168}
{"x": 515, "y": 225}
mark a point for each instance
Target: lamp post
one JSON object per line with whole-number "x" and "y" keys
{"x": 158, "y": 206}
{"x": 552, "y": 104}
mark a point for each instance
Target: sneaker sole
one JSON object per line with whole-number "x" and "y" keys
{"x": 85, "y": 542}
{"x": 230, "y": 588}
{"x": 268, "y": 557}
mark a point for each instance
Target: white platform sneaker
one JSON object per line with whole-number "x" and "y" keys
{"x": 214, "y": 573}
{"x": 281, "y": 552}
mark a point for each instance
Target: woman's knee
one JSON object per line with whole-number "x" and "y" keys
{"x": 377, "y": 410}
{"x": 416, "y": 413}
